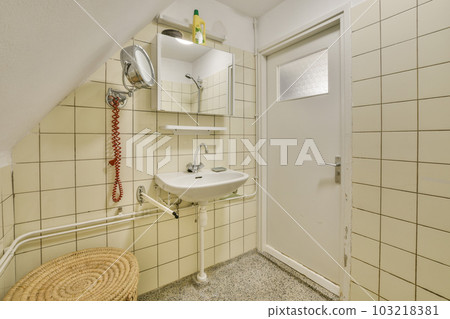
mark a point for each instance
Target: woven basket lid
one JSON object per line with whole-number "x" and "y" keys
{"x": 89, "y": 274}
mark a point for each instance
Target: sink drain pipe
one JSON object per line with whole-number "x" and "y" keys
{"x": 202, "y": 221}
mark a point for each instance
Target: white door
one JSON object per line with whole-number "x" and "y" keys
{"x": 309, "y": 109}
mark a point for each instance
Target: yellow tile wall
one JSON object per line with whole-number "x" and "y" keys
{"x": 401, "y": 133}
{"x": 61, "y": 175}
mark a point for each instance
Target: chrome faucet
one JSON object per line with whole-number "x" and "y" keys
{"x": 195, "y": 166}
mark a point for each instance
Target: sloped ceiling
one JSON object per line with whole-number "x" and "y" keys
{"x": 252, "y": 8}
{"x": 49, "y": 47}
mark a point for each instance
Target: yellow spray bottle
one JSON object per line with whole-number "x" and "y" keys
{"x": 198, "y": 29}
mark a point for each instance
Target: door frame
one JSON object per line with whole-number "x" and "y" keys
{"x": 341, "y": 17}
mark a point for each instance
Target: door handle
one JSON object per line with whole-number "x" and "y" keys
{"x": 333, "y": 164}
{"x": 337, "y": 169}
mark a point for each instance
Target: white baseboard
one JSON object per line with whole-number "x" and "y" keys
{"x": 325, "y": 283}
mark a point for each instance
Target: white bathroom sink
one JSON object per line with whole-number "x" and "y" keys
{"x": 202, "y": 186}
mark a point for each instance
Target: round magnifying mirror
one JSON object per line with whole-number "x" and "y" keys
{"x": 137, "y": 67}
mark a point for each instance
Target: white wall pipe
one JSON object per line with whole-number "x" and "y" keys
{"x": 46, "y": 230}
{"x": 237, "y": 197}
{"x": 6, "y": 258}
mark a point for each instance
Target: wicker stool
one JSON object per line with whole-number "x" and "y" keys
{"x": 89, "y": 274}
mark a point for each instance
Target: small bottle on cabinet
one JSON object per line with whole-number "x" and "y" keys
{"x": 198, "y": 29}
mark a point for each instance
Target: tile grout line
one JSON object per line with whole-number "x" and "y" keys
{"x": 401, "y": 72}
{"x": 406, "y": 131}
{"x": 40, "y": 187}
{"x": 399, "y": 190}
{"x": 381, "y": 157}
{"x": 133, "y": 110}
{"x": 417, "y": 150}
{"x": 394, "y": 15}
{"x": 75, "y": 164}
{"x": 399, "y": 248}
{"x": 158, "y": 269}
{"x": 402, "y": 101}
{"x": 397, "y": 276}
{"x": 13, "y": 198}
{"x": 106, "y": 158}
{"x": 400, "y": 42}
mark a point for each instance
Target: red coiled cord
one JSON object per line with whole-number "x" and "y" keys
{"x": 117, "y": 149}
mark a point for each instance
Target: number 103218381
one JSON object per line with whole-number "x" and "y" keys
{"x": 405, "y": 310}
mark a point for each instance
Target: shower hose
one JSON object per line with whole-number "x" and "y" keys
{"x": 115, "y": 102}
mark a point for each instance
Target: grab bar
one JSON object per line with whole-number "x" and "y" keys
{"x": 141, "y": 195}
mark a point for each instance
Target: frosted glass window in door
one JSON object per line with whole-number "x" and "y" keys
{"x": 307, "y": 76}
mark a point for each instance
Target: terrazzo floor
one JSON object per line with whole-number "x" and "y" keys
{"x": 252, "y": 276}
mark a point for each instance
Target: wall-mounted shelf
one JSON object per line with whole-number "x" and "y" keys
{"x": 184, "y": 26}
{"x": 192, "y": 130}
